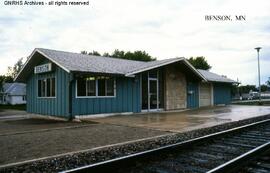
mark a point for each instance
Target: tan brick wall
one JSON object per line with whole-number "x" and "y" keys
{"x": 175, "y": 89}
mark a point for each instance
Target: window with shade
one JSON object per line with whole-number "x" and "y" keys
{"x": 46, "y": 87}
{"x": 100, "y": 86}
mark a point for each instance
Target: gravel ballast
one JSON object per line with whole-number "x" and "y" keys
{"x": 90, "y": 156}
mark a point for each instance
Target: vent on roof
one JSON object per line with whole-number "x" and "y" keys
{"x": 224, "y": 76}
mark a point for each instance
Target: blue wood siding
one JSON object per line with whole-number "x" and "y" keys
{"x": 127, "y": 99}
{"x": 57, "y": 106}
{"x": 222, "y": 93}
{"x": 192, "y": 99}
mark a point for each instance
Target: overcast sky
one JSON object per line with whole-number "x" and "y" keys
{"x": 163, "y": 28}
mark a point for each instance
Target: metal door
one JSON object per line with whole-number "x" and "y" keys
{"x": 192, "y": 95}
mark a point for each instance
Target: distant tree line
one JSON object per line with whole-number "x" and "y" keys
{"x": 244, "y": 89}
{"x": 199, "y": 62}
{"x": 136, "y": 55}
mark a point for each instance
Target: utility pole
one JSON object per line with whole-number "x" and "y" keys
{"x": 259, "y": 74}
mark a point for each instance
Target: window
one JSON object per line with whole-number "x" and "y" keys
{"x": 24, "y": 98}
{"x": 46, "y": 87}
{"x": 91, "y": 86}
{"x": 100, "y": 86}
{"x": 110, "y": 87}
{"x": 81, "y": 87}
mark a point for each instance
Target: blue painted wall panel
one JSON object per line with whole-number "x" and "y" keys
{"x": 127, "y": 99}
{"x": 49, "y": 106}
{"x": 222, "y": 93}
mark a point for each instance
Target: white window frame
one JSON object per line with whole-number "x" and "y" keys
{"x": 53, "y": 97}
{"x": 96, "y": 96}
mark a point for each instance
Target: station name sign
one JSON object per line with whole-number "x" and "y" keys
{"x": 43, "y": 68}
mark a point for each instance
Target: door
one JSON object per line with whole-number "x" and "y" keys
{"x": 152, "y": 90}
{"x": 222, "y": 93}
{"x": 192, "y": 95}
{"x": 205, "y": 94}
{"x": 153, "y": 94}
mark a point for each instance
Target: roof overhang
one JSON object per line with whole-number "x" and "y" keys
{"x": 182, "y": 59}
{"x": 152, "y": 67}
{"x": 21, "y": 75}
{"x": 96, "y": 73}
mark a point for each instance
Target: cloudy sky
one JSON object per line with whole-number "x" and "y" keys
{"x": 163, "y": 28}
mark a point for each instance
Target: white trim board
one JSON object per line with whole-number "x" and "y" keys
{"x": 152, "y": 67}
{"x": 31, "y": 56}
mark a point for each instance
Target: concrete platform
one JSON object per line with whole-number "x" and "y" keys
{"x": 25, "y": 138}
{"x": 186, "y": 120}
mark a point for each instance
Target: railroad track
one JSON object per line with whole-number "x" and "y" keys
{"x": 219, "y": 152}
{"x": 259, "y": 164}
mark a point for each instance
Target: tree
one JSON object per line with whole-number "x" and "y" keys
{"x": 264, "y": 88}
{"x": 84, "y": 52}
{"x": 5, "y": 79}
{"x": 140, "y": 56}
{"x": 118, "y": 54}
{"x": 90, "y": 53}
{"x": 268, "y": 82}
{"x": 94, "y": 53}
{"x": 106, "y": 54}
{"x": 246, "y": 88}
{"x": 199, "y": 63}
{"x": 13, "y": 71}
{"x": 136, "y": 55}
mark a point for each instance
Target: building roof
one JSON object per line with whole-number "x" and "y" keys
{"x": 14, "y": 88}
{"x": 213, "y": 77}
{"x": 89, "y": 63}
{"x": 76, "y": 62}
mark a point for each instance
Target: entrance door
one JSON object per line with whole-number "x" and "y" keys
{"x": 192, "y": 95}
{"x": 152, "y": 90}
{"x": 153, "y": 94}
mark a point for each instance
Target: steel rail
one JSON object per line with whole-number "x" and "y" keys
{"x": 105, "y": 165}
{"x": 240, "y": 160}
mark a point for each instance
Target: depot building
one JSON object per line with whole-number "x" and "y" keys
{"x": 66, "y": 84}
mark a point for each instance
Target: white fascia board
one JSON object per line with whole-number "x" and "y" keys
{"x": 222, "y": 81}
{"x": 195, "y": 70}
{"x": 152, "y": 67}
{"x": 64, "y": 68}
{"x": 30, "y": 57}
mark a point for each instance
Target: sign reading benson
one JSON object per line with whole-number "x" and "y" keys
{"x": 43, "y": 68}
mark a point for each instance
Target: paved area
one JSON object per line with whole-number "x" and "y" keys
{"x": 29, "y": 138}
{"x": 12, "y": 113}
{"x": 23, "y": 124}
{"x": 24, "y": 138}
{"x": 187, "y": 120}
{"x": 4, "y": 112}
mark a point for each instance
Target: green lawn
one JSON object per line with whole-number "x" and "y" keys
{"x": 15, "y": 107}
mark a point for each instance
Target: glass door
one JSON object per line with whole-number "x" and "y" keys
{"x": 153, "y": 94}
